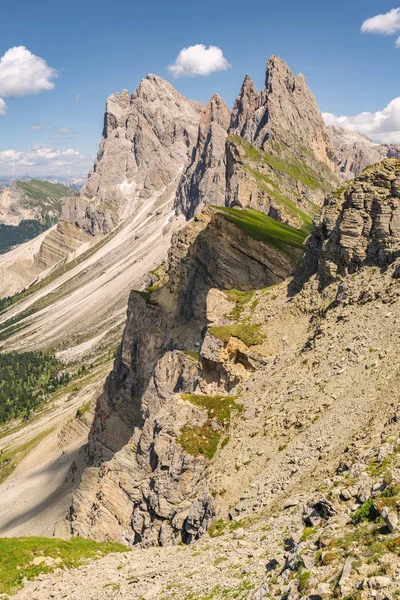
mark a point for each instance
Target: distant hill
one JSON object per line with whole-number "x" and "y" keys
{"x": 27, "y": 208}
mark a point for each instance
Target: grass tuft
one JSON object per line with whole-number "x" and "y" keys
{"x": 204, "y": 440}
{"x": 249, "y": 333}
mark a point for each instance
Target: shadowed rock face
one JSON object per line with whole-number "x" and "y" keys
{"x": 355, "y": 151}
{"x": 358, "y": 225}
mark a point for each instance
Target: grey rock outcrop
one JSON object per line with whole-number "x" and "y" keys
{"x": 246, "y": 104}
{"x": 277, "y": 151}
{"x": 355, "y": 151}
{"x": 204, "y": 180}
{"x": 286, "y": 113}
{"x": 358, "y": 225}
{"x": 148, "y": 139}
{"x": 79, "y": 212}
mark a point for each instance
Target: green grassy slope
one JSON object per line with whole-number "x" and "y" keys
{"x": 44, "y": 194}
{"x": 265, "y": 229}
{"x": 281, "y": 174}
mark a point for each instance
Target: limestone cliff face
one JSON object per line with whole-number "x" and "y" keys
{"x": 147, "y": 484}
{"x": 148, "y": 139}
{"x": 358, "y": 225}
{"x": 203, "y": 182}
{"x": 355, "y": 151}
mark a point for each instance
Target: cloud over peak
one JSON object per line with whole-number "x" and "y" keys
{"x": 198, "y": 60}
{"x": 382, "y": 126}
{"x": 23, "y": 73}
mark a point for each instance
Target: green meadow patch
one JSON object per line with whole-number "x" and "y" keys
{"x": 28, "y": 557}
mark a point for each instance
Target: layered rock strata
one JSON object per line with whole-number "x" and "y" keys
{"x": 358, "y": 225}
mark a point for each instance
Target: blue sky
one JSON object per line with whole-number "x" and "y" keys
{"x": 102, "y": 47}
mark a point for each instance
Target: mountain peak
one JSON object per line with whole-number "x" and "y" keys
{"x": 217, "y": 111}
{"x": 285, "y": 111}
{"x": 247, "y": 102}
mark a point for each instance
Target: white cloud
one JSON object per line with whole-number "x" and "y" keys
{"x": 42, "y": 160}
{"x": 386, "y": 24}
{"x": 36, "y": 127}
{"x": 22, "y": 73}
{"x": 198, "y": 60}
{"x": 3, "y": 108}
{"x": 382, "y": 126}
{"x": 77, "y": 97}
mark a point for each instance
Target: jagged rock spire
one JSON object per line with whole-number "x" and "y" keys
{"x": 291, "y": 113}
{"x": 285, "y": 111}
{"x": 203, "y": 182}
{"x": 244, "y": 108}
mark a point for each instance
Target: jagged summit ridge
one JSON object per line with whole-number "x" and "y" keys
{"x": 283, "y": 121}
{"x": 285, "y": 111}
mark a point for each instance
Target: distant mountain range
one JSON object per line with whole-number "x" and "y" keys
{"x": 75, "y": 183}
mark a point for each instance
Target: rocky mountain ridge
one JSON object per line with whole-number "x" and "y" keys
{"x": 156, "y": 400}
{"x": 296, "y": 480}
{"x": 141, "y": 409}
{"x": 355, "y": 151}
{"x": 253, "y": 403}
{"x": 277, "y": 156}
{"x": 169, "y": 148}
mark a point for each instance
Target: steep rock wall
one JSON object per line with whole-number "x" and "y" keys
{"x": 146, "y": 485}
